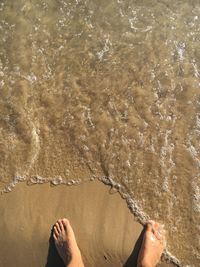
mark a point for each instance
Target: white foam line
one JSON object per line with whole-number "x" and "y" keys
{"x": 57, "y": 180}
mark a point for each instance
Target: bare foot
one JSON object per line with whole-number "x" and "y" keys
{"x": 66, "y": 244}
{"x": 152, "y": 246}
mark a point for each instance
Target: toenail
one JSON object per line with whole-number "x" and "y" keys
{"x": 151, "y": 222}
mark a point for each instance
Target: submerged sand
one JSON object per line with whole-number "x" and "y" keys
{"x": 105, "y": 229}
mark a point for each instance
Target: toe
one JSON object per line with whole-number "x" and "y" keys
{"x": 58, "y": 227}
{"x": 56, "y": 233}
{"x": 55, "y": 236}
{"x": 65, "y": 223}
{"x": 150, "y": 225}
{"x": 156, "y": 225}
{"x": 61, "y": 225}
{"x": 158, "y": 231}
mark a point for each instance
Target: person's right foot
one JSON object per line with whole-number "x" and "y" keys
{"x": 66, "y": 244}
{"x": 152, "y": 246}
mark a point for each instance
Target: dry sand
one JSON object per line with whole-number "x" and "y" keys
{"x": 106, "y": 231}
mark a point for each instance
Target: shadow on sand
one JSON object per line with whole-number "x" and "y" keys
{"x": 132, "y": 260}
{"x": 53, "y": 258}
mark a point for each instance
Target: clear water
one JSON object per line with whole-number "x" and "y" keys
{"x": 106, "y": 90}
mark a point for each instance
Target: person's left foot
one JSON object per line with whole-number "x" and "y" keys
{"x": 66, "y": 244}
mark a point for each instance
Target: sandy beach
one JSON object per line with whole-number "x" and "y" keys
{"x": 94, "y": 91}
{"x": 105, "y": 229}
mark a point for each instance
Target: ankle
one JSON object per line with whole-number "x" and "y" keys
{"x": 144, "y": 264}
{"x": 76, "y": 261}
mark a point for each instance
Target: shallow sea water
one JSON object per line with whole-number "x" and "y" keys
{"x": 106, "y": 90}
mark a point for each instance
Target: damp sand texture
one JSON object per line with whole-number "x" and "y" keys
{"x": 109, "y": 91}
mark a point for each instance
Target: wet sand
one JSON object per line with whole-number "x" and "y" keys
{"x": 106, "y": 231}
